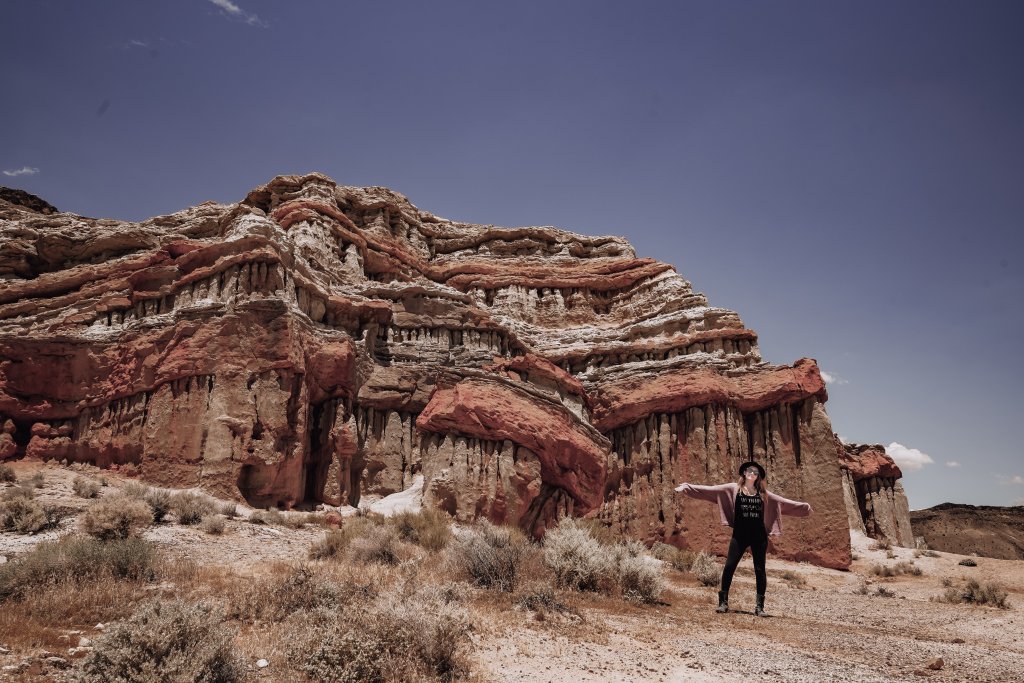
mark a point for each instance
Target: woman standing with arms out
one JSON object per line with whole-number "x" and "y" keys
{"x": 753, "y": 512}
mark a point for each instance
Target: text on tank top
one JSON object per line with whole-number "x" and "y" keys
{"x": 749, "y": 515}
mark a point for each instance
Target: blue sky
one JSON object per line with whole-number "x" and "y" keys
{"x": 846, "y": 175}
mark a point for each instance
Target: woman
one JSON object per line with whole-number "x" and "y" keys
{"x": 753, "y": 512}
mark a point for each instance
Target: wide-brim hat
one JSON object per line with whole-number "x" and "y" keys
{"x": 755, "y": 464}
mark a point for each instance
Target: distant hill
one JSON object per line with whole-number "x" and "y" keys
{"x": 985, "y": 530}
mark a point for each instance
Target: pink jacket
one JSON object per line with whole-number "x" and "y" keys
{"x": 725, "y": 496}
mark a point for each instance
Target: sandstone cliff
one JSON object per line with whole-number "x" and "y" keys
{"x": 985, "y": 530}
{"x": 876, "y": 503}
{"x": 314, "y": 343}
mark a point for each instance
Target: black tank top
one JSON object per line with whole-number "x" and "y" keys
{"x": 749, "y": 515}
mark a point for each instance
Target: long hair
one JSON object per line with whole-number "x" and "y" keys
{"x": 759, "y": 486}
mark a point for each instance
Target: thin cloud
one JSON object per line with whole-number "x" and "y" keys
{"x": 24, "y": 170}
{"x": 908, "y": 459}
{"x": 1015, "y": 479}
{"x": 236, "y": 12}
{"x": 832, "y": 379}
{"x": 952, "y": 463}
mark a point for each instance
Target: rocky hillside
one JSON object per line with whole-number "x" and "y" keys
{"x": 314, "y": 343}
{"x": 985, "y": 530}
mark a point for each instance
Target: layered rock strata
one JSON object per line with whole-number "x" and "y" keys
{"x": 876, "y": 503}
{"x": 316, "y": 343}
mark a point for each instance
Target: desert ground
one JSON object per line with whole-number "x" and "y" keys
{"x": 822, "y": 624}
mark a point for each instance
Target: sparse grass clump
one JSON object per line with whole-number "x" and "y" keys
{"x": 7, "y": 474}
{"x": 429, "y": 528}
{"x": 491, "y": 556}
{"x": 165, "y": 641}
{"x": 190, "y": 508}
{"x": 36, "y": 481}
{"x": 229, "y": 510}
{"x": 679, "y": 558}
{"x": 706, "y": 570}
{"x": 116, "y": 516}
{"x": 75, "y": 558}
{"x": 379, "y": 544}
{"x": 297, "y": 589}
{"x": 23, "y": 514}
{"x": 85, "y": 488}
{"x": 972, "y": 592}
{"x": 213, "y": 525}
{"x": 418, "y": 638}
{"x": 881, "y": 544}
{"x": 792, "y": 578}
{"x": 902, "y": 567}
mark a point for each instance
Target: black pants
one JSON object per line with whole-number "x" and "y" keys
{"x": 758, "y": 544}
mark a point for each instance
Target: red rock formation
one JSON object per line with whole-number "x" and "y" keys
{"x": 317, "y": 343}
{"x": 875, "y": 501}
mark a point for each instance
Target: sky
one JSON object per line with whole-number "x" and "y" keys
{"x": 847, "y": 176}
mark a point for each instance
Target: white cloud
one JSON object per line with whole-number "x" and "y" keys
{"x": 24, "y": 170}
{"x": 1015, "y": 479}
{"x": 137, "y": 43}
{"x": 952, "y": 463}
{"x": 237, "y": 12}
{"x": 832, "y": 379}
{"x": 907, "y": 458}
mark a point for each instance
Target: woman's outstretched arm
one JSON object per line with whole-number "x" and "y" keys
{"x": 701, "y": 492}
{"x": 792, "y": 507}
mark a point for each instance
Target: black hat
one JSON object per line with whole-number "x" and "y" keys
{"x": 755, "y": 464}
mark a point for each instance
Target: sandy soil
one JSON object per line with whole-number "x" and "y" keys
{"x": 822, "y": 630}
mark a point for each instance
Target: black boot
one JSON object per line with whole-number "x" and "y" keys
{"x": 759, "y": 609}
{"x": 723, "y": 602}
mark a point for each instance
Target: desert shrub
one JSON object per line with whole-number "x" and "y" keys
{"x": 967, "y": 562}
{"x": 930, "y": 553}
{"x": 491, "y": 556}
{"x": 20, "y": 491}
{"x": 75, "y": 558}
{"x": 190, "y": 508}
{"x": 7, "y": 474}
{"x": 428, "y": 528}
{"x": 116, "y": 516}
{"x": 706, "y": 570}
{"x": 884, "y": 592}
{"x": 412, "y": 639}
{"x": 213, "y": 525}
{"x": 679, "y": 558}
{"x": 85, "y": 488}
{"x": 336, "y": 541}
{"x": 135, "y": 489}
{"x": 578, "y": 560}
{"x": 300, "y": 588}
{"x": 862, "y": 589}
{"x": 890, "y": 554}
{"x": 36, "y": 481}
{"x": 599, "y": 531}
{"x": 229, "y": 510}
{"x": 541, "y": 596}
{"x": 902, "y": 567}
{"x": 379, "y": 544}
{"x": 973, "y": 592}
{"x": 166, "y": 642}
{"x": 25, "y": 515}
{"x": 881, "y": 544}
{"x": 272, "y": 516}
{"x": 639, "y": 579}
{"x": 160, "y": 503}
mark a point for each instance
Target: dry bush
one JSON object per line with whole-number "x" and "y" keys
{"x": 902, "y": 567}
{"x": 992, "y": 593}
{"x": 85, "y": 488}
{"x": 25, "y": 515}
{"x": 416, "y": 638}
{"x": 881, "y": 544}
{"x": 36, "y": 481}
{"x": 706, "y": 570}
{"x": 76, "y": 558}
{"x": 601, "y": 532}
{"x": 19, "y": 491}
{"x": 379, "y": 544}
{"x": 160, "y": 502}
{"x": 967, "y": 562}
{"x": 428, "y": 528}
{"x": 862, "y": 589}
{"x": 930, "y": 553}
{"x": 7, "y": 474}
{"x": 190, "y": 508}
{"x": 229, "y": 510}
{"x": 213, "y": 525}
{"x": 165, "y": 642}
{"x": 890, "y": 554}
{"x": 639, "y": 579}
{"x": 884, "y": 592}
{"x": 297, "y": 589}
{"x": 490, "y": 556}
{"x": 336, "y": 541}
{"x": 680, "y": 559}
{"x": 135, "y": 489}
{"x": 272, "y": 516}
{"x": 541, "y": 597}
{"x": 578, "y": 560}
{"x": 116, "y": 516}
